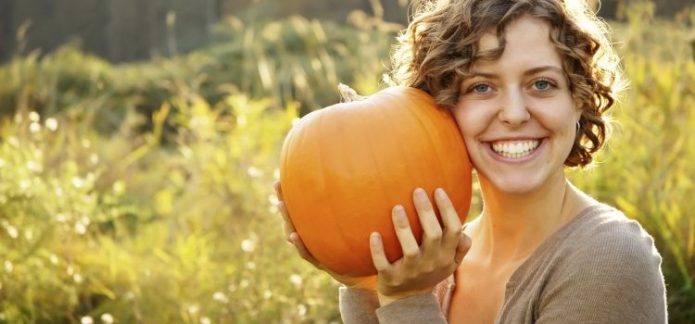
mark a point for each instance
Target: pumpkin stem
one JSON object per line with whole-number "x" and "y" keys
{"x": 348, "y": 94}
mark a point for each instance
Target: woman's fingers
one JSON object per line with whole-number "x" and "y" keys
{"x": 464, "y": 245}
{"x": 409, "y": 245}
{"x": 302, "y": 250}
{"x": 428, "y": 219}
{"x": 287, "y": 222}
{"x": 278, "y": 190}
{"x": 376, "y": 246}
{"x": 450, "y": 218}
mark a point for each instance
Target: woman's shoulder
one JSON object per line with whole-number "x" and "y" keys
{"x": 606, "y": 247}
{"x": 602, "y": 230}
{"x": 608, "y": 266}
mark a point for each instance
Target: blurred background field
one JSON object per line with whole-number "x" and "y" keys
{"x": 139, "y": 189}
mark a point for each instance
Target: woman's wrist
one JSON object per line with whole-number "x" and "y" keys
{"x": 366, "y": 283}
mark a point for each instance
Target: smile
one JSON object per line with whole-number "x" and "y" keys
{"x": 515, "y": 149}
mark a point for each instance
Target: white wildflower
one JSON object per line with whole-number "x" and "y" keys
{"x": 52, "y": 124}
{"x": 12, "y": 231}
{"x": 254, "y": 172}
{"x": 60, "y": 218}
{"x": 34, "y": 127}
{"x": 205, "y": 320}
{"x": 77, "y": 278}
{"x": 220, "y": 297}
{"x": 86, "y": 320}
{"x": 80, "y": 228}
{"x": 34, "y": 116}
{"x": 107, "y": 318}
{"x": 8, "y": 266}
{"x": 248, "y": 245}
{"x": 301, "y": 310}
{"x": 77, "y": 182}
{"x": 296, "y": 280}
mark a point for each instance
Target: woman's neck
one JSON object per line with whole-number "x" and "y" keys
{"x": 512, "y": 226}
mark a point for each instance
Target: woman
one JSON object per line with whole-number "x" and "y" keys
{"x": 528, "y": 82}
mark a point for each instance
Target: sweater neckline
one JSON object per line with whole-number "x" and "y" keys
{"x": 552, "y": 241}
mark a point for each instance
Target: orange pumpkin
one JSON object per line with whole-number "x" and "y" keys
{"x": 344, "y": 167}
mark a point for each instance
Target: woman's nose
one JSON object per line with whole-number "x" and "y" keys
{"x": 513, "y": 110}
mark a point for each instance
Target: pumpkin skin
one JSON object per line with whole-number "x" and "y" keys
{"x": 344, "y": 167}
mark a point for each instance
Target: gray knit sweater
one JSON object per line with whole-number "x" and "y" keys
{"x": 601, "y": 267}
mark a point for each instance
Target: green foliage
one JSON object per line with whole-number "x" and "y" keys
{"x": 315, "y": 58}
{"x": 143, "y": 192}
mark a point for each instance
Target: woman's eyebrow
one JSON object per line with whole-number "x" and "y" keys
{"x": 488, "y": 75}
{"x": 544, "y": 68}
{"x": 532, "y": 71}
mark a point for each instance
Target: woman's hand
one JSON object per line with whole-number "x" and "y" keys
{"x": 421, "y": 267}
{"x": 367, "y": 282}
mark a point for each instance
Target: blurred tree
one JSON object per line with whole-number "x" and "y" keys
{"x": 126, "y": 30}
{"x": 119, "y": 30}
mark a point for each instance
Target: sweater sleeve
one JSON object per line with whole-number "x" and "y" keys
{"x": 362, "y": 306}
{"x": 614, "y": 278}
{"x": 357, "y": 305}
{"x": 412, "y": 310}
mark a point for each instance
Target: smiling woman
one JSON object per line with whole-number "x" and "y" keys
{"x": 528, "y": 82}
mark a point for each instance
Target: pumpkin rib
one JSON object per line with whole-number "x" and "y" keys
{"x": 413, "y": 164}
{"x": 344, "y": 241}
{"x": 430, "y": 140}
{"x": 388, "y": 195}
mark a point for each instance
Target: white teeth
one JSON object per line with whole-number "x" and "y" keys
{"x": 515, "y": 149}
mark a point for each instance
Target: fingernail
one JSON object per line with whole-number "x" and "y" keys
{"x": 440, "y": 193}
{"x": 374, "y": 238}
{"x": 420, "y": 193}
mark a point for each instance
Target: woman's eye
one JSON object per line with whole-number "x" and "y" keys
{"x": 542, "y": 85}
{"x": 481, "y": 88}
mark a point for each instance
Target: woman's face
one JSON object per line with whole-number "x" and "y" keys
{"x": 516, "y": 114}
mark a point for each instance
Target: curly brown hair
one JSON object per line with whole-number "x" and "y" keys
{"x": 440, "y": 45}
